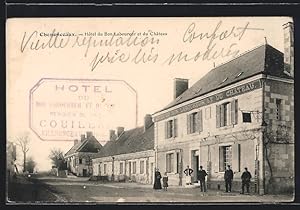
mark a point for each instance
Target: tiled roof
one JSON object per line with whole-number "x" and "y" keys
{"x": 131, "y": 141}
{"x": 263, "y": 59}
{"x": 90, "y": 144}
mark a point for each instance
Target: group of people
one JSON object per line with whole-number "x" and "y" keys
{"x": 157, "y": 182}
{"x": 228, "y": 177}
{"x": 201, "y": 175}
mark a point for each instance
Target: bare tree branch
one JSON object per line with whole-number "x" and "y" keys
{"x": 23, "y": 143}
{"x": 57, "y": 156}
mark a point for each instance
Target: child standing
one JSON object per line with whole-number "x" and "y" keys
{"x": 165, "y": 181}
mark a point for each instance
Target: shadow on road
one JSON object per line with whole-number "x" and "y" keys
{"x": 28, "y": 189}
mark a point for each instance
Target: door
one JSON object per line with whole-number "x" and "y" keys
{"x": 84, "y": 172}
{"x": 196, "y": 167}
{"x": 151, "y": 173}
{"x": 129, "y": 170}
{"x": 195, "y": 164}
{"x": 99, "y": 169}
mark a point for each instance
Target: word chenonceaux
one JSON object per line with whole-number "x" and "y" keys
{"x": 140, "y": 47}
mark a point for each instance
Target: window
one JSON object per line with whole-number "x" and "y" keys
{"x": 194, "y": 122}
{"x": 121, "y": 168}
{"x": 80, "y": 161}
{"x": 227, "y": 113}
{"x": 247, "y": 117}
{"x": 104, "y": 168}
{"x": 178, "y": 162}
{"x": 278, "y": 109}
{"x": 142, "y": 166}
{"x": 170, "y": 162}
{"x": 224, "y": 80}
{"x": 239, "y": 74}
{"x": 171, "y": 128}
{"x": 134, "y": 167}
{"x": 99, "y": 169}
{"x": 225, "y": 156}
{"x": 198, "y": 91}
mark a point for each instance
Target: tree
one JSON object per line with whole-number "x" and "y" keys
{"x": 30, "y": 165}
{"x": 23, "y": 143}
{"x": 56, "y": 156}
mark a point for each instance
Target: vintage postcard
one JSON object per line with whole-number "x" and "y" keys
{"x": 173, "y": 110}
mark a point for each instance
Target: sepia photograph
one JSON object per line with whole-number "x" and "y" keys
{"x": 150, "y": 110}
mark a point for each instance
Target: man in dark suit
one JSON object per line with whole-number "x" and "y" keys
{"x": 228, "y": 176}
{"x": 246, "y": 177}
{"x": 201, "y": 177}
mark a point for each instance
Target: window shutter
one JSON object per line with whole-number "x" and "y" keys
{"x": 221, "y": 159}
{"x": 175, "y": 128}
{"x": 147, "y": 166}
{"x": 234, "y": 112}
{"x": 229, "y": 115}
{"x": 236, "y": 157}
{"x": 167, "y": 163}
{"x": 166, "y": 129}
{"x": 200, "y": 122}
{"x": 188, "y": 123}
{"x": 218, "y": 116}
{"x": 222, "y": 115}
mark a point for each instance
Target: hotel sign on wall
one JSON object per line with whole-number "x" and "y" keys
{"x": 241, "y": 89}
{"x": 62, "y": 109}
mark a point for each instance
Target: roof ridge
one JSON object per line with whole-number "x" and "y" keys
{"x": 137, "y": 138}
{"x": 70, "y": 149}
{"x": 138, "y": 127}
{"x": 240, "y": 55}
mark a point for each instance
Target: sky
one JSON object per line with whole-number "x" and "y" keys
{"x": 144, "y": 62}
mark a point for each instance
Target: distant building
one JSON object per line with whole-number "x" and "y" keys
{"x": 128, "y": 155}
{"x": 11, "y": 156}
{"x": 241, "y": 113}
{"x": 79, "y": 157}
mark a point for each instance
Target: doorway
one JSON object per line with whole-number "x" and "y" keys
{"x": 99, "y": 169}
{"x": 84, "y": 172}
{"x": 195, "y": 164}
{"x": 129, "y": 170}
{"x": 151, "y": 173}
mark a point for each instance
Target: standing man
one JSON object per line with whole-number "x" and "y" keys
{"x": 201, "y": 177}
{"x": 246, "y": 177}
{"x": 228, "y": 176}
{"x": 188, "y": 172}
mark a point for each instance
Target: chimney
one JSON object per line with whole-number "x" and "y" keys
{"x": 180, "y": 85}
{"x": 120, "y": 130}
{"x": 89, "y": 134}
{"x": 288, "y": 31}
{"x": 147, "y": 121}
{"x": 82, "y": 137}
{"x": 112, "y": 135}
{"x": 75, "y": 141}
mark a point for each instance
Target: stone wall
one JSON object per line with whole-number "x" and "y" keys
{"x": 279, "y": 136}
